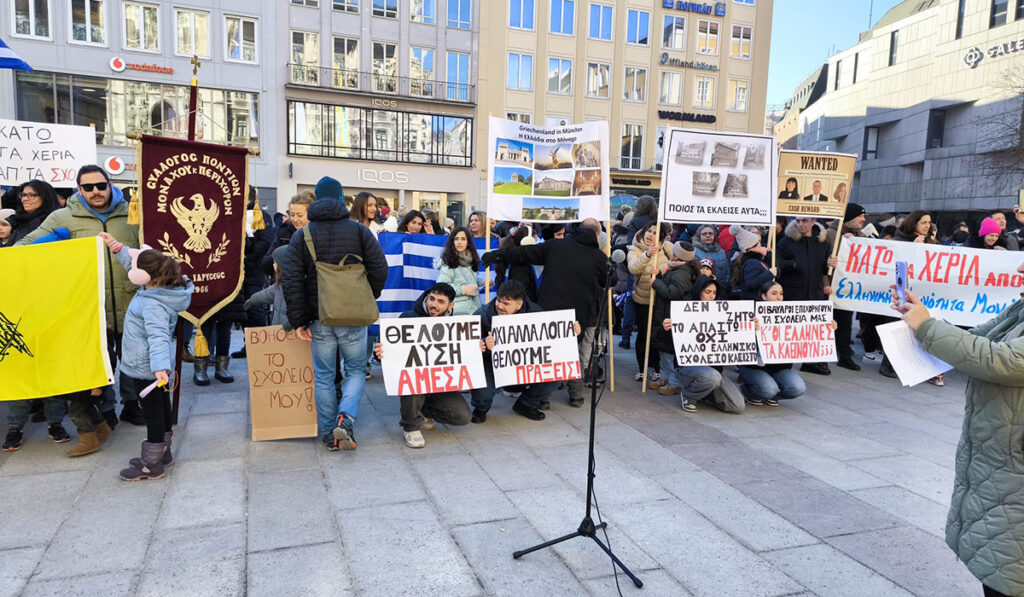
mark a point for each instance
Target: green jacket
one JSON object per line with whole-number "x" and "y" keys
{"x": 985, "y": 525}
{"x": 81, "y": 223}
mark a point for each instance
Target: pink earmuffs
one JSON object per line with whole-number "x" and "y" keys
{"x": 138, "y": 276}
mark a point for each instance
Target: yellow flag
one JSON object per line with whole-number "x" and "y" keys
{"x": 52, "y": 319}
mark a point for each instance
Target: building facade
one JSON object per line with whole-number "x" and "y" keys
{"x": 124, "y": 66}
{"x": 930, "y": 100}
{"x": 382, "y": 95}
{"x": 642, "y": 65}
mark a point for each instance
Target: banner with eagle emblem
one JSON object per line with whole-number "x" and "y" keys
{"x": 193, "y": 198}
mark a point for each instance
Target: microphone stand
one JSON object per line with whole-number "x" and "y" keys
{"x": 587, "y": 527}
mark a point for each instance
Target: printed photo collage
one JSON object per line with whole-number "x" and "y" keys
{"x": 549, "y": 178}
{"x": 722, "y": 168}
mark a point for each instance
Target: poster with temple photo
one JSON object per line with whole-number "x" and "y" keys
{"x": 547, "y": 174}
{"x": 724, "y": 178}
{"x": 814, "y": 184}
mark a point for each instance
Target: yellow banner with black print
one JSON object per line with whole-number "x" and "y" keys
{"x": 53, "y": 324}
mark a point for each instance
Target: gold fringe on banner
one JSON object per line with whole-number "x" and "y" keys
{"x": 201, "y": 350}
{"x": 133, "y": 211}
{"x": 258, "y": 222}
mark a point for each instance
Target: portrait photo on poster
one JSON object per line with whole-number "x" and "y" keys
{"x": 814, "y": 184}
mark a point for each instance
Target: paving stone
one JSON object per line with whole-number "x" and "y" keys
{"x": 308, "y": 570}
{"x": 288, "y": 509}
{"x": 837, "y": 442}
{"x": 620, "y": 484}
{"x": 914, "y": 442}
{"x": 236, "y": 401}
{"x": 213, "y": 437}
{"x": 355, "y": 479}
{"x": 656, "y": 582}
{"x": 205, "y": 492}
{"x": 508, "y": 462}
{"x": 913, "y": 474}
{"x": 207, "y": 560}
{"x": 448, "y": 478}
{"x": 283, "y": 455}
{"x": 673, "y": 430}
{"x": 18, "y": 565}
{"x": 842, "y": 415}
{"x": 552, "y": 433}
{"x": 827, "y": 571}
{"x": 812, "y": 462}
{"x": 114, "y": 584}
{"x": 921, "y": 512}
{"x": 733, "y": 462}
{"x": 28, "y": 513}
{"x": 638, "y": 451}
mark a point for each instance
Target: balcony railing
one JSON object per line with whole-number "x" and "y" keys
{"x": 352, "y": 80}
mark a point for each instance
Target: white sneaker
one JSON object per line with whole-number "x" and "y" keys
{"x": 414, "y": 439}
{"x": 875, "y": 356}
{"x": 428, "y": 424}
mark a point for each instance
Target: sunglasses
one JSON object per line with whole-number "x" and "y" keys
{"x": 99, "y": 186}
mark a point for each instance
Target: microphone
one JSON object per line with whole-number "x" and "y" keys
{"x": 618, "y": 256}
{"x": 56, "y": 235}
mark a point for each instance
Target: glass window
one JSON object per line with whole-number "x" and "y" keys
{"x": 598, "y": 75}
{"x": 838, "y": 74}
{"x": 936, "y": 128}
{"x": 559, "y": 76}
{"x": 747, "y": 2}
{"x": 741, "y": 36}
{"x": 960, "y": 8}
{"x": 671, "y": 89}
{"x": 421, "y": 71}
{"x": 704, "y": 95}
{"x": 563, "y": 16}
{"x": 385, "y": 68}
{"x": 997, "y": 13}
{"x": 520, "y": 14}
{"x": 460, "y": 14}
{"x": 707, "y": 37}
{"x": 894, "y": 42}
{"x": 1020, "y": 11}
{"x": 458, "y": 76}
{"x": 638, "y": 27}
{"x": 241, "y": 38}
{"x": 193, "y": 32}
{"x": 32, "y": 17}
{"x": 518, "y": 117}
{"x": 305, "y": 58}
{"x": 738, "y": 95}
{"x": 385, "y": 8}
{"x": 423, "y": 11}
{"x": 520, "y": 71}
{"x": 556, "y": 121}
{"x": 346, "y": 63}
{"x": 674, "y": 33}
{"x": 142, "y": 26}
{"x": 870, "y": 142}
{"x": 600, "y": 22}
{"x": 313, "y": 3}
{"x": 632, "y": 151}
{"x": 635, "y": 88}
{"x": 87, "y": 21}
{"x": 346, "y": 5}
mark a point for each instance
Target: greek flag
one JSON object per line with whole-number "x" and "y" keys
{"x": 8, "y": 59}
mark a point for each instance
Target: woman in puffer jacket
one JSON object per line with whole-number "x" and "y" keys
{"x": 646, "y": 244}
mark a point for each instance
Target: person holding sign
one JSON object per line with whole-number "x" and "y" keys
{"x": 765, "y": 384}
{"x": 804, "y": 258}
{"x": 449, "y": 408}
{"x": 753, "y": 271}
{"x": 675, "y": 284}
{"x": 985, "y": 525}
{"x": 459, "y": 266}
{"x": 647, "y": 242}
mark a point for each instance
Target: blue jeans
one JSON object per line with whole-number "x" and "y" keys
{"x": 17, "y": 411}
{"x": 328, "y": 342}
{"x": 628, "y": 314}
{"x": 758, "y": 383}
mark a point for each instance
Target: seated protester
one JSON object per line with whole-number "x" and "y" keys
{"x": 753, "y": 272}
{"x": 766, "y": 384}
{"x": 511, "y": 300}
{"x": 675, "y": 284}
{"x": 449, "y": 408}
{"x": 701, "y": 381}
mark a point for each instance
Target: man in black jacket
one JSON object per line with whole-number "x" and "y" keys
{"x": 804, "y": 258}
{"x": 335, "y": 235}
{"x": 575, "y": 271}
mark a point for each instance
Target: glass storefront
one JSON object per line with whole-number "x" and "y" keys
{"x": 376, "y": 134}
{"x": 116, "y": 107}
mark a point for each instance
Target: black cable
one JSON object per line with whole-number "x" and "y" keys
{"x": 607, "y": 541}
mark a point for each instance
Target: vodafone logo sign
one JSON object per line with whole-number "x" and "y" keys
{"x": 118, "y": 64}
{"x": 114, "y": 165}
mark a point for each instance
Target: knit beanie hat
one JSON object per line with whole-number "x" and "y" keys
{"x": 683, "y": 251}
{"x": 853, "y": 210}
{"x": 989, "y": 226}
{"x": 328, "y": 188}
{"x": 6, "y": 213}
{"x": 745, "y": 239}
{"x": 708, "y": 263}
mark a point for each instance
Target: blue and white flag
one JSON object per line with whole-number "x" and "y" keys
{"x": 8, "y": 59}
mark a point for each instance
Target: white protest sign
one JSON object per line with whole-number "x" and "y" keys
{"x": 796, "y": 332}
{"x": 964, "y": 286}
{"x": 726, "y": 178}
{"x": 428, "y": 355}
{"x": 42, "y": 151}
{"x": 547, "y": 174}
{"x": 713, "y": 332}
{"x": 534, "y": 348}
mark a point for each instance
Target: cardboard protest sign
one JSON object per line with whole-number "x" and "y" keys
{"x": 814, "y": 184}
{"x": 44, "y": 151}
{"x": 534, "y": 348}
{"x": 713, "y": 333}
{"x": 963, "y": 286}
{"x": 428, "y": 355}
{"x": 281, "y": 393}
{"x": 547, "y": 174}
{"x": 796, "y": 332}
{"x": 727, "y": 178}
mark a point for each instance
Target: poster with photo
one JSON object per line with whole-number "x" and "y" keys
{"x": 547, "y": 174}
{"x": 814, "y": 184}
{"x": 721, "y": 178}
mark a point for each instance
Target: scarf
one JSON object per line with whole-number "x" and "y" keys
{"x": 466, "y": 259}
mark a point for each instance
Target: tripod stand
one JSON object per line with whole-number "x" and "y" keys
{"x": 587, "y": 527}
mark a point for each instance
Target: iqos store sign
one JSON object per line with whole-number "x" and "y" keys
{"x": 375, "y": 176}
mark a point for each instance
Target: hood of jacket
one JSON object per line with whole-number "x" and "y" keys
{"x": 703, "y": 282}
{"x": 323, "y": 210}
{"x": 819, "y": 232}
{"x": 176, "y": 299}
{"x": 79, "y": 209}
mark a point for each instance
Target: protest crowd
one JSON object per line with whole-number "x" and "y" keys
{"x": 530, "y": 269}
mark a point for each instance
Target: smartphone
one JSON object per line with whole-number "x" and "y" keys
{"x": 901, "y": 281}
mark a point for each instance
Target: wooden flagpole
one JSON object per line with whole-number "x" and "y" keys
{"x": 650, "y": 306}
{"x": 611, "y": 339}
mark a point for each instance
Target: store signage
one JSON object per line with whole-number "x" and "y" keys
{"x": 375, "y": 176}
{"x": 667, "y": 60}
{"x": 636, "y": 182}
{"x": 383, "y": 103}
{"x": 974, "y": 56}
{"x": 718, "y": 8}
{"x": 118, "y": 64}
{"x": 114, "y": 165}
{"x": 687, "y": 116}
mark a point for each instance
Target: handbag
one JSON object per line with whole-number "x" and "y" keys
{"x": 343, "y": 291}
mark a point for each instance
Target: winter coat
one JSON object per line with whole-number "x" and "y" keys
{"x": 639, "y": 265}
{"x": 754, "y": 274}
{"x": 148, "y": 344}
{"x": 520, "y": 272}
{"x": 271, "y": 295}
{"x": 83, "y": 223}
{"x": 802, "y": 263}
{"x": 723, "y": 267}
{"x": 282, "y": 236}
{"x": 910, "y": 237}
{"x": 334, "y": 236}
{"x": 23, "y": 223}
{"x": 419, "y": 309}
{"x": 674, "y": 285}
{"x": 256, "y": 247}
{"x": 985, "y": 524}
{"x": 488, "y": 311}
{"x": 457, "y": 277}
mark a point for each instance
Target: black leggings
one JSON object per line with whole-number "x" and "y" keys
{"x": 990, "y": 592}
{"x": 156, "y": 407}
{"x": 218, "y": 336}
{"x": 640, "y": 314}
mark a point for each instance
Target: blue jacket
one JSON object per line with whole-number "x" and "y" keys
{"x": 148, "y": 341}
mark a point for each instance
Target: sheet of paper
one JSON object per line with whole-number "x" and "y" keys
{"x": 910, "y": 361}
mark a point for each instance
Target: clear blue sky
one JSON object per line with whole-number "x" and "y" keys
{"x": 804, "y": 33}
